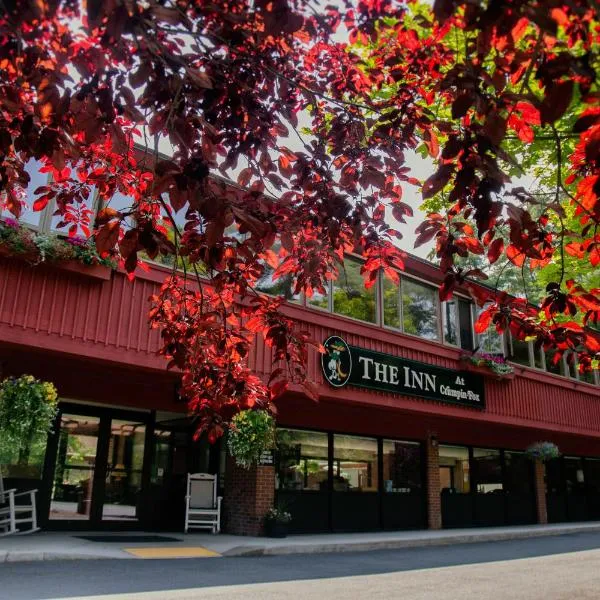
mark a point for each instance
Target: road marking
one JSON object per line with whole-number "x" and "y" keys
{"x": 170, "y": 552}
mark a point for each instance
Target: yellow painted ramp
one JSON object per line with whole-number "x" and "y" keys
{"x": 170, "y": 552}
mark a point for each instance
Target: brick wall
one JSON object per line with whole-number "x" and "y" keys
{"x": 249, "y": 493}
{"x": 434, "y": 502}
{"x": 540, "y": 492}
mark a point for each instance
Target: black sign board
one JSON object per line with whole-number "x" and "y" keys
{"x": 266, "y": 458}
{"x": 343, "y": 364}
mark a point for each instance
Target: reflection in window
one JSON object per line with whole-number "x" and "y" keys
{"x": 449, "y": 312}
{"x": 27, "y": 196}
{"x": 518, "y": 477}
{"x": 419, "y": 310}
{"x": 454, "y": 470}
{"x": 401, "y": 467}
{"x": 518, "y": 351}
{"x": 592, "y": 475}
{"x": 391, "y": 304}
{"x": 465, "y": 324}
{"x": 302, "y": 462}
{"x": 354, "y": 464}
{"x": 318, "y": 299}
{"x": 574, "y": 475}
{"x": 350, "y": 298}
{"x": 487, "y": 471}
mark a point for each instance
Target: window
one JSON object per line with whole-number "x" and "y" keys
{"x": 319, "y": 299}
{"x": 354, "y": 464}
{"x": 27, "y": 196}
{"x": 487, "y": 471}
{"x": 454, "y": 470}
{"x": 519, "y": 351}
{"x": 419, "y": 310}
{"x": 465, "y": 324}
{"x": 450, "y": 321}
{"x": 489, "y": 341}
{"x": 350, "y": 298}
{"x": 302, "y": 462}
{"x": 391, "y": 304}
{"x": 401, "y": 467}
{"x": 518, "y": 478}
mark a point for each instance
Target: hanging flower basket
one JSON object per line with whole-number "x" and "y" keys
{"x": 493, "y": 365}
{"x": 251, "y": 433}
{"x": 27, "y": 409}
{"x": 543, "y": 451}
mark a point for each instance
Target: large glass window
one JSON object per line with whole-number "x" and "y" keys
{"x": 401, "y": 467}
{"x": 302, "y": 462}
{"x": 350, "y": 298}
{"x": 487, "y": 471}
{"x": 450, "y": 321}
{"x": 465, "y": 324}
{"x": 391, "y": 304}
{"x": 354, "y": 464}
{"x": 454, "y": 470}
{"x": 518, "y": 474}
{"x": 420, "y": 310}
{"x": 518, "y": 351}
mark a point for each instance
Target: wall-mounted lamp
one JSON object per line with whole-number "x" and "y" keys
{"x": 434, "y": 441}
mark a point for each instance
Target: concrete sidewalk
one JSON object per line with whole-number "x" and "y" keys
{"x": 54, "y": 545}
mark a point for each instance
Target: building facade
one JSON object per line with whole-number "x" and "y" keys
{"x": 407, "y": 436}
{"x": 404, "y": 434}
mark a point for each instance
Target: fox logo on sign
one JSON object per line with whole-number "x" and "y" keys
{"x": 337, "y": 361}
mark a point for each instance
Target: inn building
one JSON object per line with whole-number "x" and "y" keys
{"x": 406, "y": 433}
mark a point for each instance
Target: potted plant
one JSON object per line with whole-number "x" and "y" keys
{"x": 543, "y": 451}
{"x": 251, "y": 433}
{"x": 27, "y": 409}
{"x": 277, "y": 522}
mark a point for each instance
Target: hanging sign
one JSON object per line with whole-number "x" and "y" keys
{"x": 343, "y": 364}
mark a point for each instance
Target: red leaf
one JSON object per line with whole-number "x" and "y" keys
{"x": 495, "y": 250}
{"x": 106, "y": 237}
{"x": 483, "y": 321}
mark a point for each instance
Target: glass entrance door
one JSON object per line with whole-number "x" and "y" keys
{"x": 123, "y": 482}
{"x": 75, "y": 467}
{"x": 99, "y": 466}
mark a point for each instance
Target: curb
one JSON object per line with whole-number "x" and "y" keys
{"x": 327, "y": 547}
{"x": 43, "y": 556}
{"x": 399, "y": 544}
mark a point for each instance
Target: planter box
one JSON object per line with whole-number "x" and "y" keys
{"x": 467, "y": 365}
{"x": 93, "y": 271}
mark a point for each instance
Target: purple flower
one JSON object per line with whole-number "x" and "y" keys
{"x": 76, "y": 241}
{"x": 13, "y": 223}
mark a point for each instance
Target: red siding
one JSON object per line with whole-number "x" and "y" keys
{"x": 69, "y": 313}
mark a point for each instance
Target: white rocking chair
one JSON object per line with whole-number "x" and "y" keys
{"x": 13, "y": 513}
{"x": 202, "y": 505}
